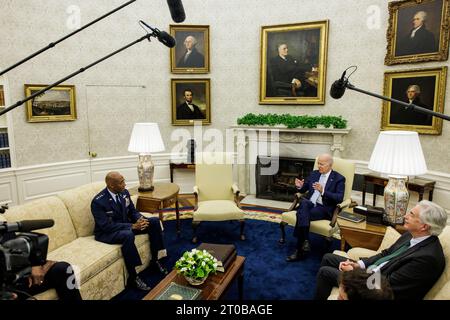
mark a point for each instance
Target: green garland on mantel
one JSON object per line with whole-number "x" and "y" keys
{"x": 291, "y": 121}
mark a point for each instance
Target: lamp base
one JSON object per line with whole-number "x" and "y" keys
{"x": 146, "y": 170}
{"x": 396, "y": 199}
{"x": 146, "y": 189}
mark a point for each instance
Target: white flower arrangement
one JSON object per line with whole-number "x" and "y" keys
{"x": 196, "y": 264}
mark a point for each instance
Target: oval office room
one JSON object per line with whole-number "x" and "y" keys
{"x": 302, "y": 145}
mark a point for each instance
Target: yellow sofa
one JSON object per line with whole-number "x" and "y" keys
{"x": 440, "y": 290}
{"x": 100, "y": 267}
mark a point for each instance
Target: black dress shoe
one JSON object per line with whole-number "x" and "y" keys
{"x": 296, "y": 256}
{"x": 138, "y": 283}
{"x": 306, "y": 246}
{"x": 160, "y": 267}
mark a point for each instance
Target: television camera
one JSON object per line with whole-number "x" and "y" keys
{"x": 19, "y": 252}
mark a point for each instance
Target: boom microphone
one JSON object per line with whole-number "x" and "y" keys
{"x": 26, "y": 225}
{"x": 176, "y": 10}
{"x": 163, "y": 37}
{"x": 338, "y": 87}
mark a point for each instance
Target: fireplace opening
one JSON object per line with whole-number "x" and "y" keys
{"x": 281, "y": 186}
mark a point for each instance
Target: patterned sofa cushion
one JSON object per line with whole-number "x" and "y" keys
{"x": 78, "y": 203}
{"x": 91, "y": 257}
{"x": 61, "y": 233}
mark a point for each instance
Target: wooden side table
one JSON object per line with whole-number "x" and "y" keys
{"x": 420, "y": 186}
{"x": 361, "y": 234}
{"x": 163, "y": 196}
{"x": 180, "y": 166}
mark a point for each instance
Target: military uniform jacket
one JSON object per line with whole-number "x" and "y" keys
{"x": 110, "y": 216}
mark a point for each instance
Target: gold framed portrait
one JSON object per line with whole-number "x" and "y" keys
{"x": 293, "y": 63}
{"x": 191, "y": 101}
{"x": 422, "y": 87}
{"x": 56, "y": 104}
{"x": 418, "y": 31}
{"x": 191, "y": 52}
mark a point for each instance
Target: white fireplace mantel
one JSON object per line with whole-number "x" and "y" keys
{"x": 323, "y": 139}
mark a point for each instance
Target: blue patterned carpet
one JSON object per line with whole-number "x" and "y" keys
{"x": 267, "y": 275}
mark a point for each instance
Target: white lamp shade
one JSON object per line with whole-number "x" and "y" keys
{"x": 398, "y": 153}
{"x": 146, "y": 138}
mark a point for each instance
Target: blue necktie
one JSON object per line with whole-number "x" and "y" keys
{"x": 119, "y": 202}
{"x": 316, "y": 193}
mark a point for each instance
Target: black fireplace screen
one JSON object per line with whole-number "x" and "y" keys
{"x": 281, "y": 186}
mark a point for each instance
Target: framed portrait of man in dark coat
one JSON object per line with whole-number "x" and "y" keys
{"x": 293, "y": 63}
{"x": 190, "y": 101}
{"x": 191, "y": 52}
{"x": 418, "y": 31}
{"x": 424, "y": 88}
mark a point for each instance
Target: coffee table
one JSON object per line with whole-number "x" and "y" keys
{"x": 214, "y": 288}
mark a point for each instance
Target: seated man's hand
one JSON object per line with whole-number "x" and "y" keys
{"x": 37, "y": 276}
{"x": 348, "y": 265}
{"x": 144, "y": 223}
{"x": 141, "y": 224}
{"x": 38, "y": 273}
{"x": 297, "y": 83}
{"x": 317, "y": 186}
{"x": 299, "y": 183}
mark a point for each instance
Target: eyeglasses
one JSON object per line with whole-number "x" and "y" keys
{"x": 323, "y": 164}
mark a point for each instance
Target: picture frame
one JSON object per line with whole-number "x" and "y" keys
{"x": 56, "y": 104}
{"x": 196, "y": 39}
{"x": 200, "y": 95}
{"x": 422, "y": 87}
{"x": 418, "y": 31}
{"x": 292, "y": 51}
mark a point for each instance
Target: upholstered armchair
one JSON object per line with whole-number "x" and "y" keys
{"x": 216, "y": 196}
{"x": 325, "y": 228}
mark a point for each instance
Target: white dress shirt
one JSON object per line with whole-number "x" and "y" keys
{"x": 413, "y": 33}
{"x": 113, "y": 195}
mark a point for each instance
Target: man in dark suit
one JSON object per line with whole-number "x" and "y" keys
{"x": 117, "y": 222}
{"x": 419, "y": 39}
{"x": 191, "y": 58}
{"x": 411, "y": 265}
{"x": 325, "y": 190}
{"x": 402, "y": 115}
{"x": 287, "y": 74}
{"x": 188, "y": 110}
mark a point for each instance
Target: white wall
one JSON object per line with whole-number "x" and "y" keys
{"x": 235, "y": 26}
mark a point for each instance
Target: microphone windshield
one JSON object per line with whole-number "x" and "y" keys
{"x": 166, "y": 39}
{"x": 337, "y": 89}
{"x": 176, "y": 10}
{"x": 29, "y": 225}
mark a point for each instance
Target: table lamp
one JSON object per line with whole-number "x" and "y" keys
{"x": 145, "y": 139}
{"x": 399, "y": 155}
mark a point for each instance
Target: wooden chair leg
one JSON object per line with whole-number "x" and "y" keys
{"x": 194, "y": 231}
{"x": 283, "y": 232}
{"x": 242, "y": 229}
